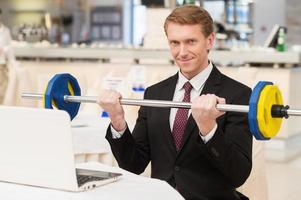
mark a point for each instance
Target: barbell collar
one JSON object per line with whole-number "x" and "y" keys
{"x": 280, "y": 111}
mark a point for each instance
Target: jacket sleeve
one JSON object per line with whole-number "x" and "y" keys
{"x": 230, "y": 149}
{"x": 132, "y": 150}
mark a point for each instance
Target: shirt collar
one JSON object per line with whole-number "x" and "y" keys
{"x": 197, "y": 81}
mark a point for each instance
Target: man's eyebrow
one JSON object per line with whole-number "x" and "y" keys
{"x": 194, "y": 39}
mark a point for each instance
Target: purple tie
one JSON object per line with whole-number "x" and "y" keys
{"x": 181, "y": 118}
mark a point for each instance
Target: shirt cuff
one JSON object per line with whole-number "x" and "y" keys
{"x": 207, "y": 137}
{"x": 116, "y": 134}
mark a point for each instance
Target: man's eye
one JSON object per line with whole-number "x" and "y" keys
{"x": 174, "y": 43}
{"x": 191, "y": 41}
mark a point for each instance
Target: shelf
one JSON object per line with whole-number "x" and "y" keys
{"x": 244, "y": 57}
{"x": 28, "y": 11}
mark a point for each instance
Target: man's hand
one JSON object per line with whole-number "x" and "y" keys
{"x": 204, "y": 112}
{"x": 109, "y": 100}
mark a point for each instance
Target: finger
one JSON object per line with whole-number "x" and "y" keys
{"x": 101, "y": 96}
{"x": 198, "y": 102}
{"x": 211, "y": 101}
{"x": 221, "y": 100}
{"x": 108, "y": 97}
{"x": 116, "y": 96}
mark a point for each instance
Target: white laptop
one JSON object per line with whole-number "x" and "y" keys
{"x": 36, "y": 149}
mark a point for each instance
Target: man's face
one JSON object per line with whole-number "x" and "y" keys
{"x": 189, "y": 47}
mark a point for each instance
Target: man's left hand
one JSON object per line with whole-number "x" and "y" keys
{"x": 204, "y": 112}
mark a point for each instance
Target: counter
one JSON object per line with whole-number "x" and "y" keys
{"x": 137, "y": 54}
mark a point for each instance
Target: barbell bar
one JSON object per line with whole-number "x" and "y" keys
{"x": 167, "y": 104}
{"x": 143, "y": 102}
{"x": 164, "y": 104}
{"x": 265, "y": 109}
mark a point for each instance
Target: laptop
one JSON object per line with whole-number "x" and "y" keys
{"x": 36, "y": 149}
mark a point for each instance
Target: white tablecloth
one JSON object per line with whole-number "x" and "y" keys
{"x": 89, "y": 132}
{"x": 130, "y": 187}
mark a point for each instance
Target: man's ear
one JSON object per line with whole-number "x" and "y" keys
{"x": 210, "y": 40}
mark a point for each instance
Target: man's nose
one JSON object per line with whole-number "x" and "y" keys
{"x": 183, "y": 50}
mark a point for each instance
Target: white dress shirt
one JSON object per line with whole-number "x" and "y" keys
{"x": 197, "y": 83}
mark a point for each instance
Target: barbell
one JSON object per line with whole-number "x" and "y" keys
{"x": 265, "y": 109}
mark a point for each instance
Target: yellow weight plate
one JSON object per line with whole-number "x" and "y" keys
{"x": 70, "y": 88}
{"x": 52, "y": 100}
{"x": 268, "y": 125}
{"x": 43, "y": 97}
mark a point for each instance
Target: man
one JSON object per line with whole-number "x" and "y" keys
{"x": 5, "y": 40}
{"x": 206, "y": 156}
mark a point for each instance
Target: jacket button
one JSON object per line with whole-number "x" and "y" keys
{"x": 177, "y": 168}
{"x": 215, "y": 152}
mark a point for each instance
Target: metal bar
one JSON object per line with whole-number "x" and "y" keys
{"x": 159, "y": 103}
{"x": 156, "y": 103}
{"x": 233, "y": 108}
{"x": 143, "y": 102}
{"x": 294, "y": 112}
{"x": 132, "y": 102}
{"x": 80, "y": 99}
{"x": 31, "y": 96}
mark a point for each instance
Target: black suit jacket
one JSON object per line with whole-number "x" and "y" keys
{"x": 200, "y": 171}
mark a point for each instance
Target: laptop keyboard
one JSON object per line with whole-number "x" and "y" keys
{"x": 82, "y": 179}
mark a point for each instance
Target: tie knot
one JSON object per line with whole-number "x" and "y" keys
{"x": 187, "y": 87}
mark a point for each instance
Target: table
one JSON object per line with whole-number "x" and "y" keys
{"x": 88, "y": 131}
{"x": 129, "y": 187}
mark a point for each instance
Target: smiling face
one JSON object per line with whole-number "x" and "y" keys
{"x": 189, "y": 47}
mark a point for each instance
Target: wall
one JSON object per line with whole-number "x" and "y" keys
{"x": 266, "y": 14}
{"x": 155, "y": 36}
{"x": 293, "y": 21}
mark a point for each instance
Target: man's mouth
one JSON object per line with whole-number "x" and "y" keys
{"x": 184, "y": 60}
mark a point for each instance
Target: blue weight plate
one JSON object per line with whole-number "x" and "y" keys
{"x": 253, "y": 123}
{"x": 57, "y": 88}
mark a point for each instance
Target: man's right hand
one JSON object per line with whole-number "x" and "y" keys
{"x": 109, "y": 100}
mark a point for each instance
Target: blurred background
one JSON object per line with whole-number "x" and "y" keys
{"x": 125, "y": 22}
{"x": 122, "y": 45}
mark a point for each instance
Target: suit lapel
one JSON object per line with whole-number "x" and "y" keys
{"x": 211, "y": 87}
{"x": 167, "y": 94}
